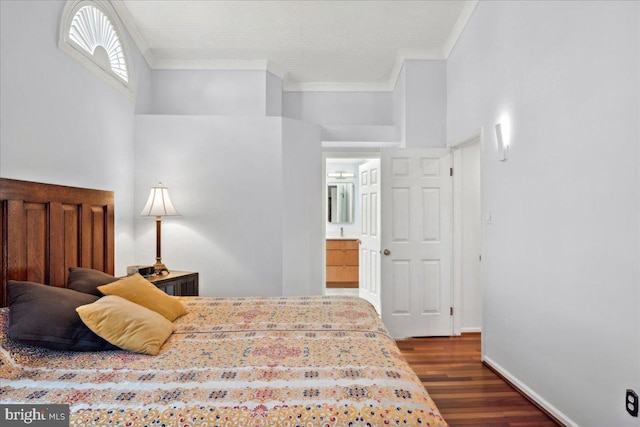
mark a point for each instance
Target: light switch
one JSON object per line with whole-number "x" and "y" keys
{"x": 489, "y": 217}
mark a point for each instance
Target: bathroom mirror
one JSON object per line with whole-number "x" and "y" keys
{"x": 340, "y": 202}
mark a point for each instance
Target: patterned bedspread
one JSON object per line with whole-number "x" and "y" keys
{"x": 246, "y": 362}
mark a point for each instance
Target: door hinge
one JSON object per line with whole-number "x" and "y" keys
{"x": 480, "y": 257}
{"x": 450, "y": 171}
{"x": 450, "y": 311}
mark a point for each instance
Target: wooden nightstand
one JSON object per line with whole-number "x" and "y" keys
{"x": 178, "y": 283}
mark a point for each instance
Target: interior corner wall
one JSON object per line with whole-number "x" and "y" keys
{"x": 426, "y": 104}
{"x": 61, "y": 123}
{"x": 302, "y": 237}
{"x": 400, "y": 106}
{"x": 560, "y": 260}
{"x": 224, "y": 177}
{"x": 273, "y": 95}
{"x": 420, "y": 104}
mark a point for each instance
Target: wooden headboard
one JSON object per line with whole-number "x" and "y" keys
{"x": 45, "y": 229}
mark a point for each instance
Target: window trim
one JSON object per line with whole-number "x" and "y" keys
{"x": 85, "y": 58}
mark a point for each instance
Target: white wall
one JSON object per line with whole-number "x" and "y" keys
{"x": 339, "y": 108}
{"x": 399, "y": 97}
{"x": 251, "y": 223}
{"x": 425, "y": 118}
{"x": 222, "y": 93}
{"x": 413, "y": 114}
{"x": 61, "y": 123}
{"x": 224, "y": 175}
{"x": 302, "y": 209}
{"x": 273, "y": 94}
{"x": 344, "y": 116}
{"x": 419, "y": 101}
{"x": 560, "y": 262}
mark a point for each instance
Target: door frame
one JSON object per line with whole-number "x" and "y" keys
{"x": 475, "y": 137}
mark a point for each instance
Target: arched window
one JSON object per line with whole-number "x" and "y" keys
{"x": 91, "y": 34}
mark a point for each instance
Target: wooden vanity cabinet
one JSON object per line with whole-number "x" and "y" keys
{"x": 342, "y": 263}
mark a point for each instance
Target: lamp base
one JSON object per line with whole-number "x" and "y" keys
{"x": 160, "y": 268}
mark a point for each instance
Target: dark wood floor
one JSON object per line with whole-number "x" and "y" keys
{"x": 467, "y": 392}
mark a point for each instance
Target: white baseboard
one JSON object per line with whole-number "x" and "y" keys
{"x": 469, "y": 330}
{"x": 530, "y": 393}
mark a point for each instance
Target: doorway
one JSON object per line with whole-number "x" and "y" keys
{"x": 467, "y": 234}
{"x": 350, "y": 267}
{"x": 465, "y": 287}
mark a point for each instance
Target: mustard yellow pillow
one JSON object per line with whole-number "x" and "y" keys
{"x": 137, "y": 289}
{"x": 126, "y": 324}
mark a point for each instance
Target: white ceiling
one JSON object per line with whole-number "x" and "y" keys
{"x": 312, "y": 45}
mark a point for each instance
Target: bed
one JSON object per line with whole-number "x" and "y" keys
{"x": 278, "y": 361}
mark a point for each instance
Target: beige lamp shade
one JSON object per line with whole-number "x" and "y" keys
{"x": 159, "y": 203}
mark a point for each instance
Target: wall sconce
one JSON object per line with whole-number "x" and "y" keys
{"x": 503, "y": 149}
{"x": 340, "y": 175}
{"x": 159, "y": 205}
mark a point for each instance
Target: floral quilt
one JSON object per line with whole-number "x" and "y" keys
{"x": 245, "y": 362}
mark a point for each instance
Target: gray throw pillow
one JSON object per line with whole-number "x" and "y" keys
{"x": 87, "y": 280}
{"x": 46, "y": 316}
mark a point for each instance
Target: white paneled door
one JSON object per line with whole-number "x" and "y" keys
{"x": 416, "y": 242}
{"x": 369, "y": 179}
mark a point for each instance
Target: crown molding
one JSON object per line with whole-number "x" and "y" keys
{"x": 473, "y": 136}
{"x": 167, "y": 64}
{"x": 156, "y": 63}
{"x": 388, "y": 86}
{"x": 412, "y": 55}
{"x": 335, "y": 87}
{"x": 360, "y": 144}
{"x": 133, "y": 30}
{"x": 277, "y": 70}
{"x": 459, "y": 27}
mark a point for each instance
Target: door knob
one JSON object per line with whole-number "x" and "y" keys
{"x": 387, "y": 252}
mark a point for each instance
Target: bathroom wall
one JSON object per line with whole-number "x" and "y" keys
{"x": 349, "y": 229}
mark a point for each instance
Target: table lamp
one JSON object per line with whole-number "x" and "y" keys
{"x": 159, "y": 205}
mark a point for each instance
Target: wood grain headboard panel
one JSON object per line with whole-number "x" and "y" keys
{"x": 45, "y": 229}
